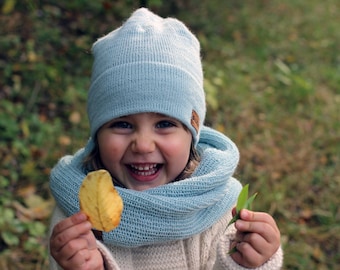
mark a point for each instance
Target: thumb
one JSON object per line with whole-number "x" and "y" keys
{"x": 233, "y": 211}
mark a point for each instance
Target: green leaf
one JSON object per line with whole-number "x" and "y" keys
{"x": 8, "y": 6}
{"x": 242, "y": 199}
{"x": 233, "y": 250}
{"x": 10, "y": 238}
{"x": 250, "y": 201}
{"x": 37, "y": 229}
{"x": 236, "y": 217}
{"x": 243, "y": 202}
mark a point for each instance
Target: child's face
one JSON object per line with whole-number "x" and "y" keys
{"x": 144, "y": 150}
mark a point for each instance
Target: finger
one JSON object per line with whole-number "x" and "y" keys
{"x": 69, "y": 222}
{"x": 258, "y": 243}
{"x": 95, "y": 261}
{"x": 86, "y": 259}
{"x": 247, "y": 255}
{"x": 90, "y": 239}
{"x": 233, "y": 211}
{"x": 58, "y": 240}
{"x": 258, "y": 217}
{"x": 77, "y": 261}
{"x": 265, "y": 230}
{"x": 72, "y": 254}
{"x": 239, "y": 236}
{"x": 73, "y": 247}
{"x": 254, "y": 239}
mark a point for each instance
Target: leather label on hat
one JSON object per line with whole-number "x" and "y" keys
{"x": 195, "y": 120}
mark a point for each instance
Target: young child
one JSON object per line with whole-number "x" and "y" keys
{"x": 146, "y": 107}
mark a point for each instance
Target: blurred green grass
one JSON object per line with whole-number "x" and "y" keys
{"x": 272, "y": 80}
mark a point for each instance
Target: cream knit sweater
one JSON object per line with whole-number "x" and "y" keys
{"x": 205, "y": 251}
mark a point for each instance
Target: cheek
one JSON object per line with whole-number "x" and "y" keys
{"x": 110, "y": 149}
{"x": 179, "y": 150}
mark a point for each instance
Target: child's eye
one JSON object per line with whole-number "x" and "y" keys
{"x": 121, "y": 124}
{"x": 165, "y": 124}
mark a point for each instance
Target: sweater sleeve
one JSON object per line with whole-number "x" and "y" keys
{"x": 225, "y": 261}
{"x": 109, "y": 262}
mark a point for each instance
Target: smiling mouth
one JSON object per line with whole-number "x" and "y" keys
{"x": 144, "y": 169}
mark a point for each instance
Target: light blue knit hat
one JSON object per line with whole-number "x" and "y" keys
{"x": 149, "y": 64}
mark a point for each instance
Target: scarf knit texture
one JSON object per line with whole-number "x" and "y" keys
{"x": 174, "y": 211}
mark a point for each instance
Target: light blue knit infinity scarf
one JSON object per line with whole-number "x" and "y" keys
{"x": 170, "y": 212}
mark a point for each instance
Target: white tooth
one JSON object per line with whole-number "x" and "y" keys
{"x": 144, "y": 168}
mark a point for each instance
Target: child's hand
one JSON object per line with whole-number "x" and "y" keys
{"x": 257, "y": 238}
{"x": 73, "y": 244}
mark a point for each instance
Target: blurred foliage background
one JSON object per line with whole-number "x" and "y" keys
{"x": 272, "y": 77}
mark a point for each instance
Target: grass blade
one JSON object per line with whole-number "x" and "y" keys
{"x": 242, "y": 198}
{"x": 233, "y": 250}
{"x": 250, "y": 201}
{"x": 243, "y": 202}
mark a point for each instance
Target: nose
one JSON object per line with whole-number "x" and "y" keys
{"x": 143, "y": 143}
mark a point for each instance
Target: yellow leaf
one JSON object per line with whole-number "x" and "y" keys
{"x": 25, "y": 129}
{"x": 26, "y": 191}
{"x": 75, "y": 117}
{"x": 32, "y": 57}
{"x": 35, "y": 208}
{"x": 100, "y": 201}
{"x": 28, "y": 168}
{"x": 8, "y": 6}
{"x": 64, "y": 140}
